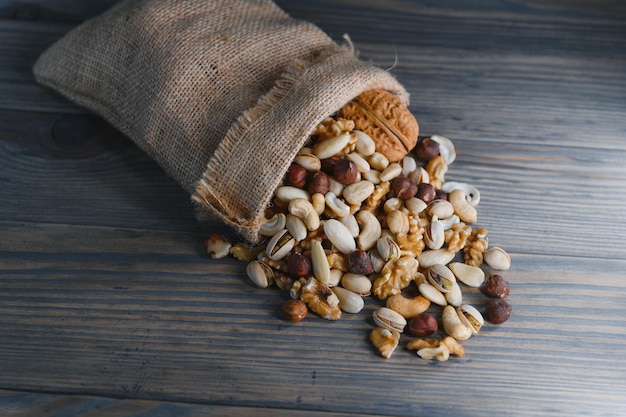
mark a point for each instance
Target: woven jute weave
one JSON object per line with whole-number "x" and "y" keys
{"x": 221, "y": 94}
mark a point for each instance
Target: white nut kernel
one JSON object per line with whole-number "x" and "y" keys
{"x": 365, "y": 145}
{"x": 398, "y": 222}
{"x": 217, "y": 246}
{"x": 409, "y": 164}
{"x": 372, "y": 176}
{"x": 453, "y": 325}
{"x": 273, "y": 225}
{"x": 319, "y": 262}
{"x": 371, "y": 229}
{"x": 415, "y": 205}
{"x": 296, "y": 227}
{"x": 303, "y": 209}
{"x": 419, "y": 176}
{"x": 359, "y": 191}
{"x": 330, "y": 147}
{"x": 357, "y": 283}
{"x": 378, "y": 161}
{"x": 287, "y": 193}
{"x": 348, "y": 301}
{"x": 339, "y": 236}
{"x": 338, "y": 207}
{"x": 471, "y": 276}
{"x": 432, "y": 294}
{"x": 455, "y": 295}
{"x": 361, "y": 163}
{"x": 462, "y": 206}
{"x": 392, "y": 171}
{"x": 351, "y": 224}
{"x": 429, "y": 258}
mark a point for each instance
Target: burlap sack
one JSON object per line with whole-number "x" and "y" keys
{"x": 221, "y": 93}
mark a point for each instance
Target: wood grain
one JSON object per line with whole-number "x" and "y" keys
{"x": 109, "y": 307}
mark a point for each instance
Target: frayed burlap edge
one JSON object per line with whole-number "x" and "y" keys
{"x": 282, "y": 120}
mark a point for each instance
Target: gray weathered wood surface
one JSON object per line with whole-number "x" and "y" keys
{"x": 108, "y": 306}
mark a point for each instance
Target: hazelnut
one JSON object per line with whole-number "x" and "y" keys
{"x": 296, "y": 176}
{"x": 403, "y": 187}
{"x": 427, "y": 149}
{"x": 497, "y": 311}
{"x": 422, "y": 325}
{"x": 328, "y": 164}
{"x": 426, "y": 192}
{"x": 441, "y": 195}
{"x": 298, "y": 265}
{"x": 345, "y": 171}
{"x": 359, "y": 262}
{"x": 319, "y": 183}
{"x": 495, "y": 286}
{"x": 295, "y": 310}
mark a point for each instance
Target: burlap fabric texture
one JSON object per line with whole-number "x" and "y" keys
{"x": 221, "y": 93}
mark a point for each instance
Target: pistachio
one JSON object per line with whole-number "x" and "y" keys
{"x": 455, "y": 295}
{"x": 349, "y": 301}
{"x": 389, "y": 319}
{"x": 434, "y": 234}
{"x": 339, "y": 236}
{"x": 388, "y": 248}
{"x": 453, "y": 325}
{"x": 441, "y": 277}
{"x": 471, "y": 317}
{"x": 309, "y": 162}
{"x": 440, "y": 208}
{"x": 280, "y": 245}
{"x": 471, "y": 276}
{"x": 497, "y": 258}
{"x": 260, "y": 273}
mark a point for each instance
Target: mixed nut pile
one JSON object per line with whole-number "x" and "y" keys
{"x": 364, "y": 212}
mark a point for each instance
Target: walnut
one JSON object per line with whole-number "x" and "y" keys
{"x": 320, "y": 299}
{"x": 456, "y": 236}
{"x": 475, "y": 247}
{"x": 451, "y": 344}
{"x": 436, "y": 170}
{"x": 386, "y": 120}
{"x": 330, "y": 127}
{"x": 410, "y": 244}
{"x": 337, "y": 261}
{"x": 246, "y": 253}
{"x": 376, "y": 198}
{"x": 385, "y": 341}
{"x": 395, "y": 276}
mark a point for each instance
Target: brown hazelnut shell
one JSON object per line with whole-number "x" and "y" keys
{"x": 386, "y": 120}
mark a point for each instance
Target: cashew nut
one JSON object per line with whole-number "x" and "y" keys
{"x": 408, "y": 307}
{"x": 303, "y": 209}
{"x": 446, "y": 148}
{"x": 462, "y": 206}
{"x": 472, "y": 194}
{"x": 338, "y": 207}
{"x": 273, "y": 225}
{"x": 319, "y": 203}
{"x": 371, "y": 229}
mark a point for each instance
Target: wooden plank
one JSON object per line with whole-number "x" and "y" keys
{"x": 82, "y": 311}
{"x": 29, "y": 404}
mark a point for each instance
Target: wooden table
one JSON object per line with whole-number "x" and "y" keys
{"x": 109, "y": 307}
